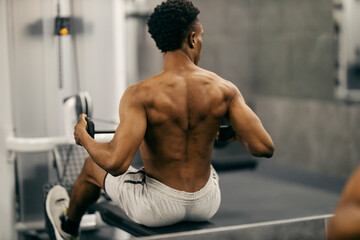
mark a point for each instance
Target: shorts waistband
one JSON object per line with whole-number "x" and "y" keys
{"x": 182, "y": 196}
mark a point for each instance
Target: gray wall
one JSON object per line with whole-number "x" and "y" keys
{"x": 270, "y": 47}
{"x": 294, "y": 50}
{"x": 228, "y": 44}
{"x": 294, "y": 85}
{"x": 280, "y": 53}
{"x": 317, "y": 135}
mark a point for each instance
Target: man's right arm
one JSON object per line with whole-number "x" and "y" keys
{"x": 248, "y": 127}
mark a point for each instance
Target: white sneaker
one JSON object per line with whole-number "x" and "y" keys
{"x": 57, "y": 202}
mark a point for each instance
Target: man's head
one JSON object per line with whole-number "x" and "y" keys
{"x": 174, "y": 25}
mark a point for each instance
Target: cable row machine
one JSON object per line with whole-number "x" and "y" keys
{"x": 257, "y": 197}
{"x": 69, "y": 158}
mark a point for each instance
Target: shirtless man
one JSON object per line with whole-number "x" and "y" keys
{"x": 174, "y": 118}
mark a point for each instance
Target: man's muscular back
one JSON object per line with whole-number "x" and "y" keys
{"x": 174, "y": 116}
{"x": 184, "y": 108}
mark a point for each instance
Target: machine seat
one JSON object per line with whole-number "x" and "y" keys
{"x": 114, "y": 216}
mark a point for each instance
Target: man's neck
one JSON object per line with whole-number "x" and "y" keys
{"x": 176, "y": 59}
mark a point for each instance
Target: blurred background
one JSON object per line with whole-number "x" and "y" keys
{"x": 297, "y": 63}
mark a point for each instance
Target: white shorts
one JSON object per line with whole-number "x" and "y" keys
{"x": 151, "y": 203}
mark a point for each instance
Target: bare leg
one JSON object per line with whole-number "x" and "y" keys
{"x": 86, "y": 190}
{"x": 346, "y": 222}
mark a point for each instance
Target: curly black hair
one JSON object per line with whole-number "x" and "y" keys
{"x": 170, "y": 22}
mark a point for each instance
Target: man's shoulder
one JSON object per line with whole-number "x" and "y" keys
{"x": 139, "y": 87}
{"x": 147, "y": 83}
{"x": 146, "y": 86}
{"x": 213, "y": 76}
{"x": 221, "y": 82}
{"x": 142, "y": 91}
{"x": 207, "y": 74}
{"x": 135, "y": 93}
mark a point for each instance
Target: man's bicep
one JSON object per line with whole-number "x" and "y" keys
{"x": 249, "y": 129}
{"x": 133, "y": 125}
{"x": 131, "y": 130}
{"x": 242, "y": 118}
{"x": 132, "y": 117}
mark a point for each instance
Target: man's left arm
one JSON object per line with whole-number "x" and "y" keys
{"x": 116, "y": 156}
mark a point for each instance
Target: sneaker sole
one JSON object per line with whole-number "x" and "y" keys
{"x": 49, "y": 224}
